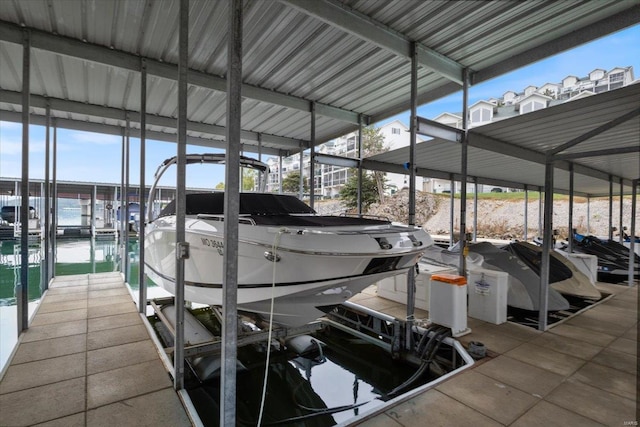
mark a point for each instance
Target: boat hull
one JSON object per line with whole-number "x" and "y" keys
{"x": 307, "y": 272}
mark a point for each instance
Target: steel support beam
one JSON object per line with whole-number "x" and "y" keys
{"x": 312, "y": 155}
{"x": 301, "y": 169}
{"x": 103, "y": 55}
{"x": 632, "y": 232}
{"x": 142, "y": 282}
{"x": 66, "y": 106}
{"x": 22, "y": 288}
{"x": 570, "y": 218}
{"x": 46, "y": 274}
{"x": 341, "y": 16}
{"x": 452, "y": 206}
{"x": 94, "y": 198}
{"x": 540, "y": 213}
{"x": 620, "y": 224}
{"x": 595, "y": 132}
{"x": 359, "y": 165}
{"x": 525, "y": 235}
{"x": 598, "y": 153}
{"x": 120, "y": 210}
{"x": 610, "y": 208}
{"x": 182, "y": 248}
{"x": 475, "y": 209}
{"x": 411, "y": 278}
{"x": 547, "y": 243}
{"x": 125, "y": 211}
{"x": 54, "y": 200}
{"x": 491, "y": 144}
{"x": 280, "y": 174}
{"x": 438, "y": 130}
{"x": 231, "y": 216}
{"x": 463, "y": 181}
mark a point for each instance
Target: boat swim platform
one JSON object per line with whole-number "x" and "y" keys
{"x": 581, "y": 371}
{"x": 88, "y": 359}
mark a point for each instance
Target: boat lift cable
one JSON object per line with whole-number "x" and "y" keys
{"x": 274, "y": 249}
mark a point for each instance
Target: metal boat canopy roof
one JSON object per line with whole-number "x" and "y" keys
{"x": 349, "y": 60}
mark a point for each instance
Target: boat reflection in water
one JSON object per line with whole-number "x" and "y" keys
{"x": 343, "y": 377}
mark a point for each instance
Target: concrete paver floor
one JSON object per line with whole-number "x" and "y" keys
{"x": 582, "y": 372}
{"x": 87, "y": 359}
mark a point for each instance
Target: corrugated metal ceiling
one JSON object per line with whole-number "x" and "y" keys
{"x": 349, "y": 57}
{"x": 529, "y": 137}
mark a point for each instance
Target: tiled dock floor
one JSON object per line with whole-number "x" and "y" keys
{"x": 87, "y": 360}
{"x": 582, "y": 372}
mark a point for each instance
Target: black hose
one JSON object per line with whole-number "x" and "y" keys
{"x": 430, "y": 351}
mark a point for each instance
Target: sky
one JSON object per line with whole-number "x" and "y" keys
{"x": 92, "y": 157}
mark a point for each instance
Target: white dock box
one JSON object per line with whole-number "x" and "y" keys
{"x": 395, "y": 288}
{"x": 448, "y": 302}
{"x": 587, "y": 264}
{"x": 488, "y": 295}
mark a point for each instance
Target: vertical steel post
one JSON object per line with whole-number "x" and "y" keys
{"x": 570, "y": 217}
{"x": 463, "y": 166}
{"x": 126, "y": 212}
{"x": 475, "y": 209}
{"x": 182, "y": 248}
{"x": 120, "y": 210}
{"x": 540, "y": 211}
{"x": 301, "y": 182}
{"x": 142, "y": 283}
{"x": 22, "y": 288}
{"x": 260, "y": 159}
{"x": 312, "y": 158}
{"x": 94, "y": 200}
{"x": 54, "y": 202}
{"x": 359, "y": 164}
{"x": 526, "y": 213}
{"x": 632, "y": 232}
{"x": 411, "y": 279}
{"x": 547, "y": 241}
{"x": 621, "y": 226}
{"x": 610, "y": 207}
{"x": 231, "y": 217}
{"x": 280, "y": 173}
{"x": 588, "y": 215}
{"x": 452, "y": 185}
{"x": 46, "y": 274}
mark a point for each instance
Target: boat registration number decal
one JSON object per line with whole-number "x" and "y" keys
{"x": 213, "y": 244}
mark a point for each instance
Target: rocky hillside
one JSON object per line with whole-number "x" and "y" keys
{"x": 501, "y": 218}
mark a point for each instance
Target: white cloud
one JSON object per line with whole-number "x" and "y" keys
{"x": 93, "y": 138}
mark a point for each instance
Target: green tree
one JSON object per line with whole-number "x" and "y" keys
{"x": 220, "y": 186}
{"x": 291, "y": 183}
{"x": 349, "y": 192}
{"x": 372, "y": 143}
{"x": 249, "y": 178}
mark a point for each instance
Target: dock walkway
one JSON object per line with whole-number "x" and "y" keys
{"x": 87, "y": 360}
{"x": 581, "y": 372}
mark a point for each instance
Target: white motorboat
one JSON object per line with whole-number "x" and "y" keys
{"x": 308, "y": 263}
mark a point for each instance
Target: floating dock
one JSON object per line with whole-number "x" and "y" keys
{"x": 88, "y": 359}
{"x": 582, "y": 371}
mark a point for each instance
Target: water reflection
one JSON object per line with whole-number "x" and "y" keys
{"x": 73, "y": 257}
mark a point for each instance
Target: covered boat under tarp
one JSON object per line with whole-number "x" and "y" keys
{"x": 564, "y": 276}
{"x": 523, "y": 283}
